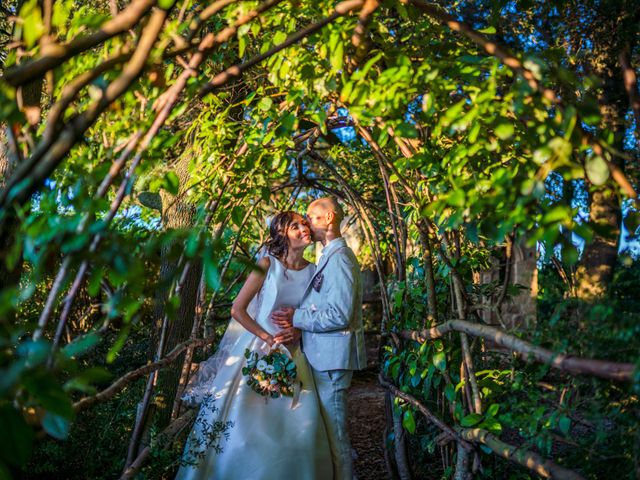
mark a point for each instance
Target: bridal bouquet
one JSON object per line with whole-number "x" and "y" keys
{"x": 272, "y": 375}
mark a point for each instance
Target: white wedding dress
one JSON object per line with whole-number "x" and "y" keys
{"x": 269, "y": 438}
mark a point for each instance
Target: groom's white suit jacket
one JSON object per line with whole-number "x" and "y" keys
{"x": 330, "y": 315}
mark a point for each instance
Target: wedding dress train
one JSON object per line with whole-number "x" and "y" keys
{"x": 241, "y": 435}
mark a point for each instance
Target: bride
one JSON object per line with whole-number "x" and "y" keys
{"x": 239, "y": 434}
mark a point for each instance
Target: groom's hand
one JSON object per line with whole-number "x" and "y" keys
{"x": 283, "y": 317}
{"x": 287, "y": 336}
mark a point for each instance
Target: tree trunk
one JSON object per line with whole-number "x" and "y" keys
{"x": 429, "y": 277}
{"x": 177, "y": 213}
{"x": 10, "y": 269}
{"x": 598, "y": 262}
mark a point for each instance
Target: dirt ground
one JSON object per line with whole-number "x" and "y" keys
{"x": 366, "y": 425}
{"x": 366, "y": 420}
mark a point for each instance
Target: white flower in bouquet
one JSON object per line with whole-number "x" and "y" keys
{"x": 262, "y": 365}
{"x": 270, "y": 369}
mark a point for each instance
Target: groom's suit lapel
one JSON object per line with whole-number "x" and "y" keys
{"x": 321, "y": 264}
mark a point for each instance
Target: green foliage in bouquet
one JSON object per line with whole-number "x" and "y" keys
{"x": 272, "y": 375}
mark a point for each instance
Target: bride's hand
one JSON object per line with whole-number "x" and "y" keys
{"x": 288, "y": 336}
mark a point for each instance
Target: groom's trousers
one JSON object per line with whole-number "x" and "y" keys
{"x": 332, "y": 388}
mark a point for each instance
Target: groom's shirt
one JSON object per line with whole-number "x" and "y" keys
{"x": 330, "y": 314}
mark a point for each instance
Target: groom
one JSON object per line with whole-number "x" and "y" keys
{"x": 330, "y": 317}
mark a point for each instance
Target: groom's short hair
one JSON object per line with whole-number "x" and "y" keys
{"x": 331, "y": 204}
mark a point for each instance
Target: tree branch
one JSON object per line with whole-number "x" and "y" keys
{"x": 386, "y": 383}
{"x": 22, "y": 184}
{"x": 507, "y": 58}
{"x": 631, "y": 86}
{"x": 236, "y": 71}
{"x": 117, "y": 386}
{"x": 167, "y": 434}
{"x": 599, "y": 368}
{"x": 543, "y": 467}
{"x": 55, "y": 53}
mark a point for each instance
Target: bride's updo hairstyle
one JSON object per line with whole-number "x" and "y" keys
{"x": 278, "y": 243}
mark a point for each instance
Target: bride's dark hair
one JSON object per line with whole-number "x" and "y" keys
{"x": 278, "y": 243}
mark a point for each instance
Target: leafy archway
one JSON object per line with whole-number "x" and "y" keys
{"x": 133, "y": 206}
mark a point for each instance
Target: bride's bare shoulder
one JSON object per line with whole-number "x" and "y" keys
{"x": 264, "y": 263}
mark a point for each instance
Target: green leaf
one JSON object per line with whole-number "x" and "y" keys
{"x": 504, "y": 131}
{"x": 408, "y": 422}
{"x": 242, "y": 45}
{"x": 542, "y": 155}
{"x": 632, "y": 222}
{"x": 493, "y": 410}
{"x": 557, "y": 214}
{"x": 470, "y": 420}
{"x": 56, "y": 426}
{"x": 488, "y": 30}
{"x": 81, "y": 345}
{"x": 34, "y": 351}
{"x": 456, "y": 198}
{"x": 265, "y": 104}
{"x": 337, "y": 56}
{"x": 171, "y": 183}
{"x": 48, "y": 393}
{"x": 237, "y": 215}
{"x": 406, "y": 130}
{"x": 166, "y": 4}
{"x": 564, "y": 424}
{"x": 440, "y": 361}
{"x": 492, "y": 425}
{"x": 561, "y": 148}
{"x": 450, "y": 392}
{"x": 33, "y": 27}
{"x": 16, "y": 440}
{"x": 570, "y": 254}
{"x": 596, "y": 169}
